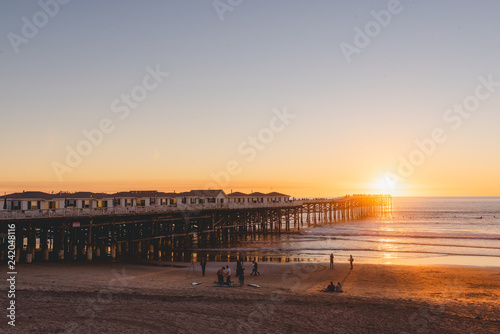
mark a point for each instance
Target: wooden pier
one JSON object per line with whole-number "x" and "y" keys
{"x": 154, "y": 234}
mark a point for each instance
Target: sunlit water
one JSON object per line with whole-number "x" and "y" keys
{"x": 435, "y": 230}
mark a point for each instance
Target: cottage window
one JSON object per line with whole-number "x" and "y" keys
{"x": 33, "y": 205}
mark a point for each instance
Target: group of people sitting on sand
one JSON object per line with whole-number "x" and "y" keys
{"x": 224, "y": 273}
{"x": 333, "y": 288}
{"x": 224, "y": 276}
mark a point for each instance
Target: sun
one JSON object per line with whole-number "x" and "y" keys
{"x": 383, "y": 186}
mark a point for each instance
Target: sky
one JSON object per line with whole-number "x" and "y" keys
{"x": 309, "y": 98}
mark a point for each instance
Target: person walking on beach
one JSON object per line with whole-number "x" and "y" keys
{"x": 351, "y": 260}
{"x": 331, "y": 260}
{"x": 255, "y": 272}
{"x": 203, "y": 264}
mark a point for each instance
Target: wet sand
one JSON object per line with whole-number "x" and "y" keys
{"x": 128, "y": 298}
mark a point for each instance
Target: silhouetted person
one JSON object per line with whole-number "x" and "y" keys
{"x": 330, "y": 288}
{"x": 331, "y": 260}
{"x": 255, "y": 272}
{"x": 242, "y": 276}
{"x": 351, "y": 260}
{"x": 239, "y": 267}
{"x": 203, "y": 264}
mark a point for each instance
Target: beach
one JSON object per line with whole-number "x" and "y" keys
{"x": 129, "y": 298}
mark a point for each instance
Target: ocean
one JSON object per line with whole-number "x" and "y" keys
{"x": 420, "y": 231}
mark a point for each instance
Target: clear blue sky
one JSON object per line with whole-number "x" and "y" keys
{"x": 352, "y": 120}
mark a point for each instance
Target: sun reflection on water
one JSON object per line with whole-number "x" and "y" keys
{"x": 387, "y": 244}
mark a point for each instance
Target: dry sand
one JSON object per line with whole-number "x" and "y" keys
{"x": 128, "y": 298}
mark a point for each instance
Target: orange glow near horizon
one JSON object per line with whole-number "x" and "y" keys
{"x": 293, "y": 189}
{"x": 100, "y": 173}
{"x": 314, "y": 188}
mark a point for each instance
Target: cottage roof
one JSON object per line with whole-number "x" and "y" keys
{"x": 135, "y": 194}
{"x": 207, "y": 193}
{"x": 35, "y": 195}
{"x": 237, "y": 194}
{"x": 256, "y": 194}
{"x": 276, "y": 194}
{"x": 167, "y": 195}
{"x": 201, "y": 193}
{"x": 82, "y": 195}
{"x": 273, "y": 194}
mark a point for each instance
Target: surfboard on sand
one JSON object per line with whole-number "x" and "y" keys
{"x": 254, "y": 285}
{"x": 226, "y": 286}
{"x": 196, "y": 283}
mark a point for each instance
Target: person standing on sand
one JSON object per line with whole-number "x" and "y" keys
{"x": 242, "y": 276}
{"x": 239, "y": 267}
{"x": 351, "y": 260}
{"x": 331, "y": 260}
{"x": 228, "y": 275}
{"x": 203, "y": 264}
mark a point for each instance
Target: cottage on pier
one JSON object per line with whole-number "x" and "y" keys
{"x": 202, "y": 197}
{"x": 27, "y": 200}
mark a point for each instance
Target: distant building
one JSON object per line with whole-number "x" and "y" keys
{"x": 141, "y": 198}
{"x": 27, "y": 200}
{"x": 202, "y": 197}
{"x": 238, "y": 197}
{"x": 80, "y": 200}
{"x": 258, "y": 197}
{"x": 276, "y": 197}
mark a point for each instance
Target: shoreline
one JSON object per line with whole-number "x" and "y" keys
{"x": 184, "y": 264}
{"x": 110, "y": 297}
{"x": 267, "y": 257}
